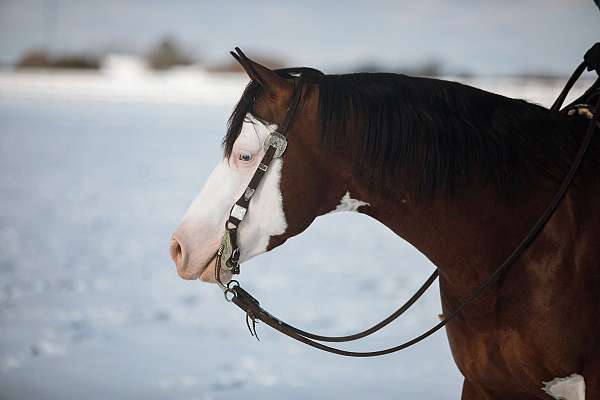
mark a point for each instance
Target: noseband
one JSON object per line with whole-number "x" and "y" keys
{"x": 276, "y": 143}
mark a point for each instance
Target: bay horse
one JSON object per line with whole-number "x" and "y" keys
{"x": 458, "y": 172}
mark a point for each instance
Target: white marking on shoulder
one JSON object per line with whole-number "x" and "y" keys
{"x": 349, "y": 204}
{"x": 570, "y": 388}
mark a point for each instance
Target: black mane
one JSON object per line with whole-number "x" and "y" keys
{"x": 439, "y": 136}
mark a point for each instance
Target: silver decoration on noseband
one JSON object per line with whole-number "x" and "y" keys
{"x": 225, "y": 252}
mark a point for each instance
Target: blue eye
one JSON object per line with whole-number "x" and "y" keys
{"x": 245, "y": 157}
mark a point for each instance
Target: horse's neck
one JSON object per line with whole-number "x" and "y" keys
{"x": 466, "y": 238}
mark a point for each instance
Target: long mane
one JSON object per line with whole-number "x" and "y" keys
{"x": 438, "y": 136}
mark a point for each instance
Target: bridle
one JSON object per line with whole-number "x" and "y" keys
{"x": 275, "y": 145}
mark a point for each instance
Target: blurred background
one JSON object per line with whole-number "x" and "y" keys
{"x": 111, "y": 117}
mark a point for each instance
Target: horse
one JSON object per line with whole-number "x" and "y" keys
{"x": 458, "y": 172}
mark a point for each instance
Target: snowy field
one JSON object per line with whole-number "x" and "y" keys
{"x": 95, "y": 173}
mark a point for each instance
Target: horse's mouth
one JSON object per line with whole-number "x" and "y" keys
{"x": 207, "y": 274}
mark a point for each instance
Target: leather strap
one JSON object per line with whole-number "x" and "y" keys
{"x": 230, "y": 260}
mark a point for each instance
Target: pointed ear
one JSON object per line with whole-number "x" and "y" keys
{"x": 268, "y": 79}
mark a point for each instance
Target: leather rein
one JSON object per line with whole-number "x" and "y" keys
{"x": 275, "y": 145}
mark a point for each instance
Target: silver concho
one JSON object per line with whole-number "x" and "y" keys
{"x": 238, "y": 212}
{"x": 278, "y": 141}
{"x": 248, "y": 193}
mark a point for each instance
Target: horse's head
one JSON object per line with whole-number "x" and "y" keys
{"x": 297, "y": 187}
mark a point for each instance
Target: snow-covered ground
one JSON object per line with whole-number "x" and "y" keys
{"x": 95, "y": 172}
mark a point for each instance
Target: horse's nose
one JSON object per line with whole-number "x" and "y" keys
{"x": 179, "y": 257}
{"x": 176, "y": 252}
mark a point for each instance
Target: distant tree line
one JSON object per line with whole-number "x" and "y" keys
{"x": 167, "y": 53}
{"x": 40, "y": 58}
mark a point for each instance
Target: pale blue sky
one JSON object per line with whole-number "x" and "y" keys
{"x": 481, "y": 36}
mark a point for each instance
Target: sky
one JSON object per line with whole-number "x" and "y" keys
{"x": 477, "y": 36}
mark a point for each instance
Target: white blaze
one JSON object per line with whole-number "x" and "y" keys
{"x": 203, "y": 225}
{"x": 569, "y": 388}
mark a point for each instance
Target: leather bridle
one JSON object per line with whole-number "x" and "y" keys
{"x": 275, "y": 145}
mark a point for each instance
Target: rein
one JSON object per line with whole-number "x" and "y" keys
{"x": 275, "y": 144}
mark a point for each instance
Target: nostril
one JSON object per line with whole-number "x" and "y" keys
{"x": 176, "y": 252}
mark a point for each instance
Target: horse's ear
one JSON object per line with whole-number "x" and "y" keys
{"x": 267, "y": 78}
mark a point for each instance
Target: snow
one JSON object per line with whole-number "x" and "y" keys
{"x": 95, "y": 172}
